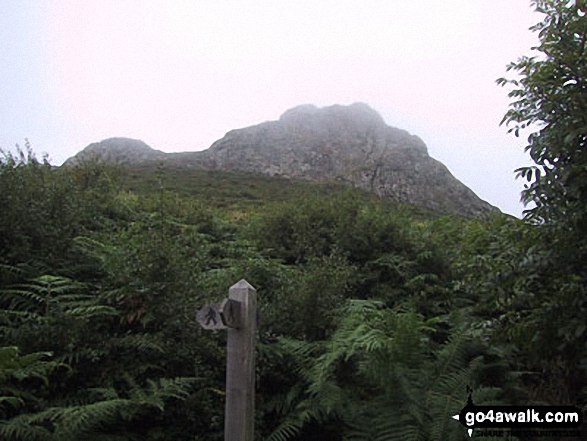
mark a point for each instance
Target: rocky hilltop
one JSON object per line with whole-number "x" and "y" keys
{"x": 119, "y": 150}
{"x": 344, "y": 143}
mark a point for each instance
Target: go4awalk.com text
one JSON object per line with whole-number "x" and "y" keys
{"x": 564, "y": 420}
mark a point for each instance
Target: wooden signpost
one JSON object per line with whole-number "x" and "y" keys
{"x": 238, "y": 314}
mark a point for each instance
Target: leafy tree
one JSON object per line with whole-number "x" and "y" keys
{"x": 375, "y": 239}
{"x": 44, "y": 209}
{"x": 549, "y": 98}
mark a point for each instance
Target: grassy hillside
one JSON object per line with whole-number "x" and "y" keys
{"x": 235, "y": 190}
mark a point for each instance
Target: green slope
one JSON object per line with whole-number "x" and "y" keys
{"x": 241, "y": 191}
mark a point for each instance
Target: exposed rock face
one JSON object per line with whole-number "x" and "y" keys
{"x": 117, "y": 150}
{"x": 347, "y": 143}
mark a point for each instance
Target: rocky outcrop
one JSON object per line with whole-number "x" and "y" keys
{"x": 351, "y": 144}
{"x": 117, "y": 150}
{"x": 345, "y": 143}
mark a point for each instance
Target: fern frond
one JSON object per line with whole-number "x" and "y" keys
{"x": 21, "y": 430}
{"x": 20, "y": 298}
{"x": 382, "y": 377}
{"x": 48, "y": 295}
{"x": 139, "y": 342}
{"x": 294, "y": 422}
{"x": 74, "y": 357}
{"x": 12, "y": 401}
{"x": 89, "y": 420}
{"x": 20, "y": 367}
{"x": 165, "y": 388}
{"x": 11, "y": 269}
{"x": 88, "y": 311}
{"x": 74, "y": 422}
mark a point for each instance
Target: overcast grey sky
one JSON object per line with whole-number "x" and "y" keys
{"x": 180, "y": 74}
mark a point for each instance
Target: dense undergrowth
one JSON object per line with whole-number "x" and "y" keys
{"x": 376, "y": 316}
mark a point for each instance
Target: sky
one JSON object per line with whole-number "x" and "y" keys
{"x": 180, "y": 74}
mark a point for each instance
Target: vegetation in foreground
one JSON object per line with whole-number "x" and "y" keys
{"x": 375, "y": 316}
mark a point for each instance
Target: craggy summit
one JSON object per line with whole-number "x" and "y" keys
{"x": 351, "y": 143}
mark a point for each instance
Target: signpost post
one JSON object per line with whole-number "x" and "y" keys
{"x": 238, "y": 313}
